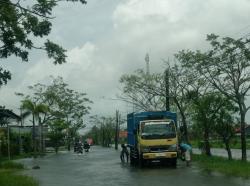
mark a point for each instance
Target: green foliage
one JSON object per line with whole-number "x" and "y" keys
{"x": 57, "y": 102}
{"x": 11, "y": 165}
{"x": 143, "y": 90}
{"x": 4, "y": 76}
{"x": 20, "y": 23}
{"x": 225, "y": 68}
{"x": 10, "y": 178}
{"x": 230, "y": 168}
{"x": 57, "y": 133}
{"x": 103, "y": 130}
{"x": 56, "y": 52}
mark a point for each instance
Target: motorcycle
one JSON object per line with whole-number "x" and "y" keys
{"x": 78, "y": 148}
{"x": 86, "y": 147}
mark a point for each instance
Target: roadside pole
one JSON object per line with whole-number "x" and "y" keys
{"x": 116, "y": 130}
{"x": 8, "y": 131}
{"x": 167, "y": 104}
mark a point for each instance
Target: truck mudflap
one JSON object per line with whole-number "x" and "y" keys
{"x": 159, "y": 155}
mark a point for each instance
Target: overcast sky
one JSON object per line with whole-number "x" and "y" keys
{"x": 108, "y": 38}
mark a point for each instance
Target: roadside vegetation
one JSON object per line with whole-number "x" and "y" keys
{"x": 235, "y": 144}
{"x": 208, "y": 90}
{"x": 10, "y": 175}
{"x": 222, "y": 165}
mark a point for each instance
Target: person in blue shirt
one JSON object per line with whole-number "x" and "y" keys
{"x": 186, "y": 149}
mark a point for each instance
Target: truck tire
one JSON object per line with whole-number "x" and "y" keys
{"x": 174, "y": 162}
{"x": 132, "y": 160}
{"x": 141, "y": 161}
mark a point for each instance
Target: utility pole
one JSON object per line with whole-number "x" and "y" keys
{"x": 167, "y": 104}
{"x": 116, "y": 130}
{"x": 147, "y": 63}
{"x": 102, "y": 126}
{"x": 8, "y": 131}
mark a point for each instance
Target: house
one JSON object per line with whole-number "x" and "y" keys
{"x": 247, "y": 130}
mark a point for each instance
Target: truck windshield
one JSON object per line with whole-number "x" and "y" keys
{"x": 161, "y": 130}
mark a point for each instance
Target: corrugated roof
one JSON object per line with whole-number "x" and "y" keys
{"x": 6, "y": 113}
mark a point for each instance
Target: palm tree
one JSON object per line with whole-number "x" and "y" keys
{"x": 35, "y": 110}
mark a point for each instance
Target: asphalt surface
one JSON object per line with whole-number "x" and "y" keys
{"x": 102, "y": 167}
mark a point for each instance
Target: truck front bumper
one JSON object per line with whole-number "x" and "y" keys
{"x": 159, "y": 155}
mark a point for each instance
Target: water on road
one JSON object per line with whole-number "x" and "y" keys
{"x": 102, "y": 167}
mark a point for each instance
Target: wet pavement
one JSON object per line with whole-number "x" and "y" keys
{"x": 102, "y": 167}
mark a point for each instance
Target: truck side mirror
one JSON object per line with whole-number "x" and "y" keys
{"x": 134, "y": 131}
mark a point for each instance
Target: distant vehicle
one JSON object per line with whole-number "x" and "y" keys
{"x": 86, "y": 146}
{"x": 152, "y": 136}
{"x": 78, "y": 147}
{"x": 89, "y": 141}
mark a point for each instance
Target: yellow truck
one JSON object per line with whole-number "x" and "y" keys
{"x": 152, "y": 136}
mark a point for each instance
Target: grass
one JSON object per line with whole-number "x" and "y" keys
{"x": 235, "y": 168}
{"x": 11, "y": 178}
{"x": 235, "y": 143}
{"x": 11, "y": 165}
{"x": 9, "y": 175}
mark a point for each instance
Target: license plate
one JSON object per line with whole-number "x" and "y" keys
{"x": 160, "y": 154}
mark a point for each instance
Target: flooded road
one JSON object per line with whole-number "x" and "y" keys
{"x": 102, "y": 167}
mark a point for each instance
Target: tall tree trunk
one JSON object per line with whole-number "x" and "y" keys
{"x": 243, "y": 137}
{"x": 206, "y": 141}
{"x": 41, "y": 138}
{"x": 34, "y": 135}
{"x": 242, "y": 129}
{"x": 229, "y": 153}
{"x": 68, "y": 143}
{"x": 184, "y": 121}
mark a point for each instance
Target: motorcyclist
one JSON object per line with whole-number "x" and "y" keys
{"x": 86, "y": 146}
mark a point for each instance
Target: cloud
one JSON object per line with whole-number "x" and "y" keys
{"x": 111, "y": 38}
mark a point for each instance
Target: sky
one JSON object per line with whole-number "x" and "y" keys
{"x": 108, "y": 38}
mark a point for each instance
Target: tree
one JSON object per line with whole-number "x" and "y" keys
{"x": 224, "y": 124}
{"x": 209, "y": 112}
{"x": 94, "y": 133}
{"x": 137, "y": 89}
{"x": 4, "y": 76}
{"x": 148, "y": 91}
{"x": 35, "y": 110}
{"x": 57, "y": 133}
{"x": 71, "y": 105}
{"x": 20, "y": 23}
{"x": 226, "y": 66}
{"x": 180, "y": 80}
{"x": 103, "y": 129}
{"x": 63, "y": 103}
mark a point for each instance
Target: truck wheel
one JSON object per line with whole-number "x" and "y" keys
{"x": 132, "y": 160}
{"x": 141, "y": 161}
{"x": 174, "y": 162}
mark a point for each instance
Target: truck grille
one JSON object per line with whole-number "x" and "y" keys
{"x": 159, "y": 148}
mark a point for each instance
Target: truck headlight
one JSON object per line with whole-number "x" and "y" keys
{"x": 172, "y": 147}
